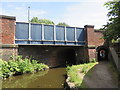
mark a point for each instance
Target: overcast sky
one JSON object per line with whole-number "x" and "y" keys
{"x": 74, "y": 12}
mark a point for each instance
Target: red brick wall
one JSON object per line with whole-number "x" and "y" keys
{"x": 7, "y": 30}
{"x": 90, "y": 34}
{"x": 7, "y": 37}
{"x": 91, "y": 53}
{"x": 98, "y": 38}
{"x": 93, "y": 39}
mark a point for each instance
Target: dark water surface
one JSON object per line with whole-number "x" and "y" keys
{"x": 53, "y": 78}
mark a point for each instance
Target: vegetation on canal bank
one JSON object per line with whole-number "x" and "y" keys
{"x": 20, "y": 66}
{"x": 74, "y": 78}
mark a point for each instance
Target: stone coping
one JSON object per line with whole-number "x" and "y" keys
{"x": 7, "y": 17}
{"x": 89, "y": 26}
{"x": 9, "y": 46}
{"x": 91, "y": 46}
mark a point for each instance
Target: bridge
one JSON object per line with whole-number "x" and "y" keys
{"x": 50, "y": 44}
{"x": 31, "y": 33}
{"x": 61, "y": 44}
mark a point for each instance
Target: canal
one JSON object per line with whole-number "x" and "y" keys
{"x": 53, "y": 78}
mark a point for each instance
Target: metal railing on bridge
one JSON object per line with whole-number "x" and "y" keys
{"x": 30, "y": 33}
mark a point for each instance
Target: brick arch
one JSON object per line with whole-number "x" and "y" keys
{"x": 98, "y": 49}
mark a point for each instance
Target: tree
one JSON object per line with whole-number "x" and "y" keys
{"x": 112, "y": 28}
{"x": 46, "y": 21}
{"x": 62, "y": 24}
{"x": 41, "y": 21}
{"x": 35, "y": 20}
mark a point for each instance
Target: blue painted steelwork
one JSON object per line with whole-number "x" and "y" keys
{"x": 36, "y": 31}
{"x": 48, "y": 34}
{"x": 22, "y": 31}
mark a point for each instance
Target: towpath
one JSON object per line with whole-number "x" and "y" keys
{"x": 101, "y": 76}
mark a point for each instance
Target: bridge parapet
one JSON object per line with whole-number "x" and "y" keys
{"x": 31, "y": 33}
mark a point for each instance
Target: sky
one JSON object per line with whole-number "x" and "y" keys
{"x": 75, "y": 13}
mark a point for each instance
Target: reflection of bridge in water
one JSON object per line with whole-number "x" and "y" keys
{"x": 29, "y": 33}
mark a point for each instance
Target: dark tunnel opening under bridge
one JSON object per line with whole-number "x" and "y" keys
{"x": 67, "y": 57}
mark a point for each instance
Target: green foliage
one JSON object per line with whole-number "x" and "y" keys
{"x": 115, "y": 41}
{"x": 62, "y": 24}
{"x": 112, "y": 28}
{"x": 93, "y": 60}
{"x": 46, "y": 21}
{"x": 35, "y": 20}
{"x": 13, "y": 67}
{"x": 1, "y": 74}
{"x": 41, "y": 21}
{"x": 5, "y": 72}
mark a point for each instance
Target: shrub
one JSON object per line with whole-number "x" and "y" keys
{"x": 5, "y": 71}
{"x": 19, "y": 66}
{"x": 14, "y": 67}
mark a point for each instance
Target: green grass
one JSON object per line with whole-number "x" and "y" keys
{"x": 73, "y": 73}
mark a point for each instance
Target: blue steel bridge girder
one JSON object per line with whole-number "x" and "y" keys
{"x": 40, "y": 34}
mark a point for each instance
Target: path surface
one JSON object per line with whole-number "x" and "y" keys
{"x": 101, "y": 77}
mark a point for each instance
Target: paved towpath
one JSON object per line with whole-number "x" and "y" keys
{"x": 102, "y": 76}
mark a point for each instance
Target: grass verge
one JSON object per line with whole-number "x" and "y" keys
{"x": 76, "y": 73}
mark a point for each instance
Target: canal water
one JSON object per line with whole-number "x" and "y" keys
{"x": 53, "y": 78}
